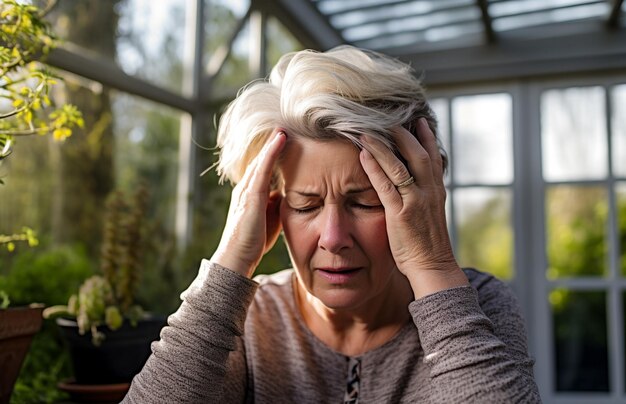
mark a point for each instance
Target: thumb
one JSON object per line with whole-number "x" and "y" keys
{"x": 272, "y": 214}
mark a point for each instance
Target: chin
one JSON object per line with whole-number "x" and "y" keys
{"x": 341, "y": 299}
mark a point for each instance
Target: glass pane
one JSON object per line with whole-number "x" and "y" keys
{"x": 221, "y": 19}
{"x": 573, "y": 133}
{"x": 485, "y": 236}
{"x": 144, "y": 40}
{"x": 60, "y": 189}
{"x": 618, "y": 127}
{"x": 482, "y": 139}
{"x": 576, "y": 219}
{"x": 236, "y": 71}
{"x": 620, "y": 194}
{"x": 279, "y": 41}
{"x": 146, "y": 151}
{"x": 580, "y": 340}
{"x": 440, "y": 108}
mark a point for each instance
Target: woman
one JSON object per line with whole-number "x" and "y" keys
{"x": 337, "y": 150}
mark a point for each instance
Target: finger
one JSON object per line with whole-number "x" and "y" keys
{"x": 273, "y": 224}
{"x": 429, "y": 141}
{"x": 418, "y": 158}
{"x": 262, "y": 175}
{"x": 384, "y": 187}
{"x": 393, "y": 168}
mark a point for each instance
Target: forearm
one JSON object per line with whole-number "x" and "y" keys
{"x": 190, "y": 361}
{"x": 468, "y": 362}
{"x": 427, "y": 281}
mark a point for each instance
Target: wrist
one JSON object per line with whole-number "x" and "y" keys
{"x": 425, "y": 282}
{"x": 232, "y": 263}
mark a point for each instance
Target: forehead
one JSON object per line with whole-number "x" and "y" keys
{"x": 309, "y": 161}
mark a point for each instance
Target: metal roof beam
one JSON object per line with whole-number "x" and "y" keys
{"x": 514, "y": 57}
{"x": 218, "y": 58}
{"x": 614, "y": 16}
{"x": 97, "y": 68}
{"x": 381, "y": 19}
{"x": 304, "y": 21}
{"x": 486, "y": 18}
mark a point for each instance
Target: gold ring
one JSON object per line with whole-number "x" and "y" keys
{"x": 406, "y": 183}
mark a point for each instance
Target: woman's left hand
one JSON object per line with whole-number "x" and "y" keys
{"x": 414, "y": 211}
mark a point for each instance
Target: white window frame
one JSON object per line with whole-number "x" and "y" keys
{"x": 530, "y": 260}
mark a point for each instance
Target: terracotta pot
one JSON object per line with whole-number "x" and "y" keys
{"x": 18, "y": 325}
{"x": 118, "y": 359}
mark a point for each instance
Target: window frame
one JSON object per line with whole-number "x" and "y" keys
{"x": 529, "y": 281}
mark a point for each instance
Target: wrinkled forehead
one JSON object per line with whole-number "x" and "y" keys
{"x": 306, "y": 159}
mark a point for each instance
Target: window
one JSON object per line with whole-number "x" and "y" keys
{"x": 477, "y": 133}
{"x": 537, "y": 196}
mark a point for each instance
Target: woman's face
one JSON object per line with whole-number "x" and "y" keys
{"x": 334, "y": 224}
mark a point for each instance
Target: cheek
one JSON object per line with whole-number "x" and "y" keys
{"x": 296, "y": 233}
{"x": 374, "y": 233}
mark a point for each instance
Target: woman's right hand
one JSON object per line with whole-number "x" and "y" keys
{"x": 253, "y": 222}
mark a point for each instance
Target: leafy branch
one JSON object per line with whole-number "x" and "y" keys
{"x": 27, "y": 235}
{"x": 25, "y": 84}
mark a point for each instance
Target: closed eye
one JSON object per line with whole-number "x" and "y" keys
{"x": 366, "y": 207}
{"x": 305, "y": 210}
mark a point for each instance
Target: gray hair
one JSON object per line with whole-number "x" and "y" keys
{"x": 342, "y": 93}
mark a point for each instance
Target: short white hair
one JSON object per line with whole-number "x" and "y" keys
{"x": 342, "y": 93}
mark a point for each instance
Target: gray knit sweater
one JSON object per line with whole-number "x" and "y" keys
{"x": 234, "y": 340}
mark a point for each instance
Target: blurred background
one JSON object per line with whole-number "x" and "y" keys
{"x": 531, "y": 101}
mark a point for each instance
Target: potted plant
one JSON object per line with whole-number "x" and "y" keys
{"x": 108, "y": 334}
{"x": 25, "y": 37}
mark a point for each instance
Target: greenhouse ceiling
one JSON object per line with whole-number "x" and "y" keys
{"x": 467, "y": 40}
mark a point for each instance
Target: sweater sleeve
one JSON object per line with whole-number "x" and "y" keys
{"x": 475, "y": 345}
{"x": 190, "y": 363}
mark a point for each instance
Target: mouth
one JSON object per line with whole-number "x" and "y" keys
{"x": 338, "y": 275}
{"x": 338, "y": 270}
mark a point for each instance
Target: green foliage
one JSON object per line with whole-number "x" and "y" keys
{"x": 47, "y": 362}
{"x": 26, "y": 37}
{"x": 106, "y": 299}
{"x": 486, "y": 239}
{"x": 27, "y": 235}
{"x": 4, "y": 300}
{"x": 577, "y": 231}
{"x": 48, "y": 276}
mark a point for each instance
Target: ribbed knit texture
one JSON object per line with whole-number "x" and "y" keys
{"x": 465, "y": 345}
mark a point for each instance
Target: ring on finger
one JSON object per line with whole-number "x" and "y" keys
{"x": 406, "y": 183}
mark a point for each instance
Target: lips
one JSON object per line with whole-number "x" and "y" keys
{"x": 339, "y": 270}
{"x": 339, "y": 275}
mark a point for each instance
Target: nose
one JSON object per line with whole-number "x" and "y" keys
{"x": 335, "y": 229}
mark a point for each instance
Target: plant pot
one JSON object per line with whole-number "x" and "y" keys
{"x": 118, "y": 359}
{"x": 18, "y": 325}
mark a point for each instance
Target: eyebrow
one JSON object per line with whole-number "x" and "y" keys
{"x": 348, "y": 192}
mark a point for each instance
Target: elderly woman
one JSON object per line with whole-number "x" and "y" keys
{"x": 338, "y": 151}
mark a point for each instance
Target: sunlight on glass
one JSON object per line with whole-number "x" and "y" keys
{"x": 580, "y": 340}
{"x": 279, "y": 42}
{"x": 151, "y": 43}
{"x": 235, "y": 72}
{"x": 620, "y": 196}
{"x": 146, "y": 151}
{"x": 618, "y": 127}
{"x": 548, "y": 15}
{"x": 485, "y": 235}
{"x": 573, "y": 133}
{"x": 576, "y": 218}
{"x": 482, "y": 139}
{"x": 221, "y": 20}
{"x": 424, "y": 22}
